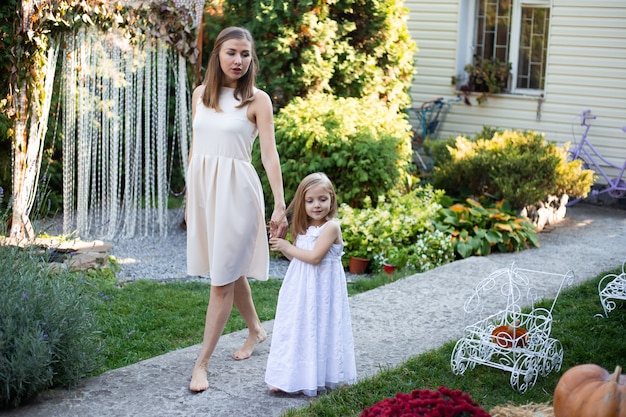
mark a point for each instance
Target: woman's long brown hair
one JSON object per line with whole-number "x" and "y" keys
{"x": 214, "y": 78}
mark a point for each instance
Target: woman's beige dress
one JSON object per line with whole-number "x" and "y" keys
{"x": 226, "y": 233}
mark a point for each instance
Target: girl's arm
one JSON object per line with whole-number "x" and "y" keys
{"x": 331, "y": 234}
{"x": 262, "y": 112}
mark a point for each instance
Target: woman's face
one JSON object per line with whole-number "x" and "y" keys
{"x": 235, "y": 58}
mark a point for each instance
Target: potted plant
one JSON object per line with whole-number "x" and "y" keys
{"x": 394, "y": 257}
{"x": 485, "y": 76}
{"x": 359, "y": 250}
{"x": 360, "y": 244}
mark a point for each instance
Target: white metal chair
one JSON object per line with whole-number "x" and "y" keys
{"x": 612, "y": 287}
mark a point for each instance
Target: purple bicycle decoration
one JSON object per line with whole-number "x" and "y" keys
{"x": 593, "y": 159}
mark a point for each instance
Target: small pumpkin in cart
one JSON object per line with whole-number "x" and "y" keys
{"x": 508, "y": 334}
{"x": 590, "y": 391}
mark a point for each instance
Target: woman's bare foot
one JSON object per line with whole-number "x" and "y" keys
{"x": 248, "y": 347}
{"x": 199, "y": 380}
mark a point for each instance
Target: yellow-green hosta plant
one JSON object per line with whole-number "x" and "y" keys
{"x": 480, "y": 230}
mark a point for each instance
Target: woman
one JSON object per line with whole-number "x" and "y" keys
{"x": 226, "y": 233}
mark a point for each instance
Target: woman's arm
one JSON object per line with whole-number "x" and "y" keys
{"x": 331, "y": 234}
{"x": 197, "y": 93}
{"x": 262, "y": 113}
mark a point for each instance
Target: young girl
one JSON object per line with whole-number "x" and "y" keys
{"x": 312, "y": 345}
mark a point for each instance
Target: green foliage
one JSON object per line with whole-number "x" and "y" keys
{"x": 47, "y": 330}
{"x": 8, "y": 22}
{"x": 572, "y": 178}
{"x": 160, "y": 19}
{"x": 396, "y": 221}
{"x": 438, "y": 149}
{"x": 5, "y": 212}
{"x": 479, "y": 230}
{"x": 486, "y": 76}
{"x": 519, "y": 167}
{"x": 362, "y": 146}
{"x": 349, "y": 48}
{"x": 392, "y": 255}
{"x": 430, "y": 250}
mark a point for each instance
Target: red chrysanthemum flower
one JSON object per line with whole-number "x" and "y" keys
{"x": 443, "y": 402}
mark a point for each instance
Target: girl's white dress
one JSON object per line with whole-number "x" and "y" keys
{"x": 312, "y": 344}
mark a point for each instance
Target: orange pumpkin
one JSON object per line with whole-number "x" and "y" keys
{"x": 505, "y": 336}
{"x": 590, "y": 391}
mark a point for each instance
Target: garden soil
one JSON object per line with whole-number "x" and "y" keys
{"x": 390, "y": 324}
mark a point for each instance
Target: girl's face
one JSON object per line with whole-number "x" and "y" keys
{"x": 317, "y": 201}
{"x": 235, "y": 58}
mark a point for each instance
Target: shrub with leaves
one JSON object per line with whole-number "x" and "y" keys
{"x": 480, "y": 230}
{"x": 47, "y": 332}
{"x": 431, "y": 249}
{"x": 519, "y": 167}
{"x": 360, "y": 144}
{"x": 395, "y": 221}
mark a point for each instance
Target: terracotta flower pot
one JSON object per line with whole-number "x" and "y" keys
{"x": 358, "y": 265}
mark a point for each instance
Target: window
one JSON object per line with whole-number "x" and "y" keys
{"x": 514, "y": 31}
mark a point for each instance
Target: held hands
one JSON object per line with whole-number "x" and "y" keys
{"x": 278, "y": 224}
{"x": 279, "y": 244}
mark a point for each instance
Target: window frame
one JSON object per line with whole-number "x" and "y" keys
{"x": 467, "y": 34}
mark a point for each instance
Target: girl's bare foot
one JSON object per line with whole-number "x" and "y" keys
{"x": 248, "y": 347}
{"x": 199, "y": 380}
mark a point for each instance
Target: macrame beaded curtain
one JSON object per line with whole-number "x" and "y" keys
{"x": 116, "y": 181}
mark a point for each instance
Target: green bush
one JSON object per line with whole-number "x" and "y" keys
{"x": 430, "y": 250}
{"x": 396, "y": 221}
{"x": 47, "y": 332}
{"x": 361, "y": 145}
{"x": 519, "y": 167}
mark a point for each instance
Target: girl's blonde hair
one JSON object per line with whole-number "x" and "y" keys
{"x": 300, "y": 220}
{"x": 214, "y": 78}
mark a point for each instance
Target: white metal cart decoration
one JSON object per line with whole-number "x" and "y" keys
{"x": 612, "y": 287}
{"x": 509, "y": 339}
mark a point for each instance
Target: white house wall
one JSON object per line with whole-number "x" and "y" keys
{"x": 586, "y": 69}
